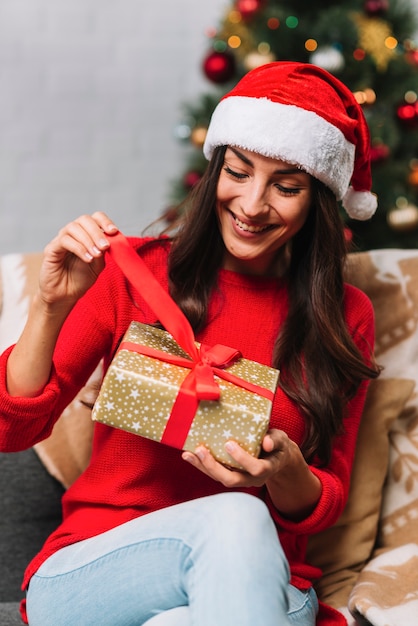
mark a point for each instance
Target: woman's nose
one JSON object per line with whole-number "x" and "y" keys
{"x": 254, "y": 201}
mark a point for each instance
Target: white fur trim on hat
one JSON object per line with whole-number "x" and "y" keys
{"x": 286, "y": 132}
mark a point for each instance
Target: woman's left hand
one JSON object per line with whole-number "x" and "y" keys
{"x": 293, "y": 488}
{"x": 277, "y": 452}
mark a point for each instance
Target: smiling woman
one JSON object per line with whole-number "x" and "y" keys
{"x": 152, "y": 533}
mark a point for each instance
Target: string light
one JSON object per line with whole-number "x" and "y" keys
{"x": 411, "y": 97}
{"x": 219, "y": 45}
{"x": 391, "y": 43}
{"x": 359, "y": 54}
{"x": 273, "y": 23}
{"x": 311, "y": 45}
{"x": 368, "y": 96}
{"x": 235, "y": 17}
{"x": 292, "y": 21}
{"x": 234, "y": 41}
{"x": 263, "y": 47}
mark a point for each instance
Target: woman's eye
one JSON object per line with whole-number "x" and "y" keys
{"x": 234, "y": 173}
{"x": 288, "y": 191}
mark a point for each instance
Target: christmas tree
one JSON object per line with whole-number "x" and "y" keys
{"x": 371, "y": 45}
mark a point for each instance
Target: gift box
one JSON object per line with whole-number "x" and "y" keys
{"x": 154, "y": 389}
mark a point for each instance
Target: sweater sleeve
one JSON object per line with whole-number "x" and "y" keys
{"x": 84, "y": 338}
{"x": 335, "y": 478}
{"x": 91, "y": 332}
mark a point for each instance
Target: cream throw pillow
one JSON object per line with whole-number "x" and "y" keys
{"x": 342, "y": 550}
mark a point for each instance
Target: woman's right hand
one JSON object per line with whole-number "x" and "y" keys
{"x": 73, "y": 260}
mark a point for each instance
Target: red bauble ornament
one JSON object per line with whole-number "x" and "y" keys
{"x": 379, "y": 152}
{"x": 412, "y": 57}
{"x": 191, "y": 178}
{"x": 219, "y": 67}
{"x": 408, "y": 113}
{"x": 249, "y": 8}
{"x": 376, "y": 7}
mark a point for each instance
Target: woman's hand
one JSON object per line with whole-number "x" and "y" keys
{"x": 293, "y": 488}
{"x": 275, "y": 449}
{"x": 70, "y": 266}
{"x": 74, "y": 258}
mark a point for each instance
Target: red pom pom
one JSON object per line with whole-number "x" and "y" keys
{"x": 219, "y": 67}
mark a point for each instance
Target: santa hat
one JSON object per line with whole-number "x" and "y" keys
{"x": 299, "y": 113}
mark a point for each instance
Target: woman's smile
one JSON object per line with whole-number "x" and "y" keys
{"x": 247, "y": 227}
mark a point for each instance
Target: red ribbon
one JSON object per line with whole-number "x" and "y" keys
{"x": 205, "y": 362}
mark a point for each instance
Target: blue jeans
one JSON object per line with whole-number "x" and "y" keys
{"x": 217, "y": 558}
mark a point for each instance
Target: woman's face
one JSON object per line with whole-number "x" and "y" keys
{"x": 261, "y": 203}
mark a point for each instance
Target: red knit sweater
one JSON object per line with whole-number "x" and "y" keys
{"x": 128, "y": 475}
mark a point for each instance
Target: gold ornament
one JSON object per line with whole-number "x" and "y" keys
{"x": 403, "y": 219}
{"x": 374, "y": 34}
{"x": 198, "y": 136}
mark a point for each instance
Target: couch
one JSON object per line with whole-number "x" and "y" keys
{"x": 369, "y": 558}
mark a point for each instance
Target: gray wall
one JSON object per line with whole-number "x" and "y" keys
{"x": 90, "y": 97}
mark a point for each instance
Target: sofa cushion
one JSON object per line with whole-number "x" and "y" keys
{"x": 31, "y": 510}
{"x": 10, "y": 614}
{"x": 390, "y": 278}
{"x": 343, "y": 550}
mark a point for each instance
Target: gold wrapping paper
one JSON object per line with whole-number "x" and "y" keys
{"x": 138, "y": 393}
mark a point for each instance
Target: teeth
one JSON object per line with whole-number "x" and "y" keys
{"x": 250, "y": 229}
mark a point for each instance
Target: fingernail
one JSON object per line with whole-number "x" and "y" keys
{"x": 103, "y": 243}
{"x": 230, "y": 446}
{"x": 201, "y": 453}
{"x": 96, "y": 250}
{"x": 188, "y": 457}
{"x": 88, "y": 256}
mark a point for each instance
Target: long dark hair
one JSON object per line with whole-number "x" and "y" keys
{"x": 314, "y": 332}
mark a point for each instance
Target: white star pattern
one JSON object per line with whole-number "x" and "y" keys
{"x": 138, "y": 394}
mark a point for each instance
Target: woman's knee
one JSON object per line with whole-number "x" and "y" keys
{"x": 236, "y": 508}
{"x": 239, "y": 521}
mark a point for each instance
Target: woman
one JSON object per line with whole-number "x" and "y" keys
{"x": 152, "y": 534}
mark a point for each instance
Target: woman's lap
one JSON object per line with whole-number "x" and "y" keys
{"x": 218, "y": 555}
